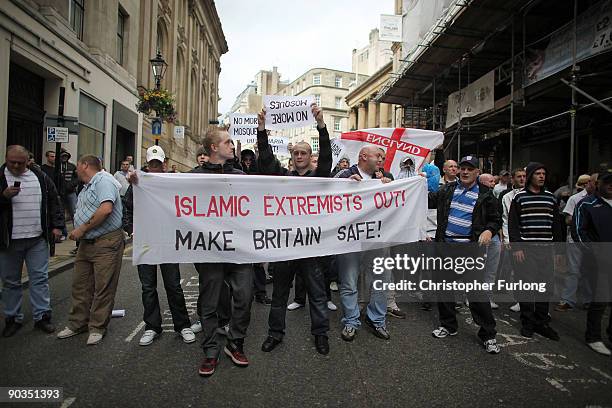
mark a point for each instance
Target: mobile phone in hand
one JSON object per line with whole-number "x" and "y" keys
{"x": 17, "y": 184}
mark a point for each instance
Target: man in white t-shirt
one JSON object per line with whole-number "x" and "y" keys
{"x": 585, "y": 186}
{"x": 30, "y": 217}
{"x": 504, "y": 181}
{"x": 121, "y": 176}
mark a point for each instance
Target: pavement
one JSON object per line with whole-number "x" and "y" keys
{"x": 411, "y": 370}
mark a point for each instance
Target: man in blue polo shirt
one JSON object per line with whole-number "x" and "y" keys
{"x": 98, "y": 228}
{"x": 467, "y": 212}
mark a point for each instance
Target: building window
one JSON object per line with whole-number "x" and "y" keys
{"x": 338, "y": 82}
{"x": 92, "y": 126}
{"x": 317, "y": 100}
{"x": 338, "y": 102}
{"x": 121, "y": 18}
{"x": 316, "y": 79}
{"x": 77, "y": 13}
{"x": 337, "y": 125}
{"x": 314, "y": 143}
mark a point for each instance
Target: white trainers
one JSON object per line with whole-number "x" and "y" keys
{"x": 148, "y": 337}
{"x": 187, "y": 335}
{"x": 67, "y": 332}
{"x": 442, "y": 332}
{"x": 94, "y": 338}
{"x": 294, "y": 306}
{"x": 491, "y": 346}
{"x": 331, "y": 306}
{"x": 516, "y": 307}
{"x": 494, "y": 305}
{"x": 196, "y": 327}
{"x": 333, "y": 286}
{"x": 600, "y": 348}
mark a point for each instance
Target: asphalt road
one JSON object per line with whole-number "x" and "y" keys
{"x": 412, "y": 369}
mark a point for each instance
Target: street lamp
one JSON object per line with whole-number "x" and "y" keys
{"x": 158, "y": 65}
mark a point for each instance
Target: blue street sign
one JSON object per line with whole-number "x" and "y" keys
{"x": 156, "y": 126}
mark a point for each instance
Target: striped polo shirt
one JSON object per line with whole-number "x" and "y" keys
{"x": 536, "y": 214}
{"x": 26, "y": 205}
{"x": 459, "y": 228}
{"x": 100, "y": 188}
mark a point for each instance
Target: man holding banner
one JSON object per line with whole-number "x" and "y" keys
{"x": 310, "y": 268}
{"x": 219, "y": 146}
{"x": 349, "y": 265}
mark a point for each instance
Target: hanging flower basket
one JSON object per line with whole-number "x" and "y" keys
{"x": 158, "y": 100}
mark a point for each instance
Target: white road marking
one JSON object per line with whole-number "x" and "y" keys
{"x": 603, "y": 374}
{"x": 545, "y": 358}
{"x": 555, "y": 383}
{"x": 135, "y": 332}
{"x": 513, "y": 340}
{"x": 68, "y": 402}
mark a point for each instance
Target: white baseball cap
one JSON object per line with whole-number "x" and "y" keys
{"x": 155, "y": 153}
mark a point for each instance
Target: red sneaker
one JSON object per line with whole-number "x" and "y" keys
{"x": 234, "y": 351}
{"x": 208, "y": 367}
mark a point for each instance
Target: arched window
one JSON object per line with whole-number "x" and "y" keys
{"x": 181, "y": 88}
{"x": 161, "y": 44}
{"x": 193, "y": 109}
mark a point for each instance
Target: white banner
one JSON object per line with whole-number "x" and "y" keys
{"x": 397, "y": 143}
{"x": 279, "y": 145}
{"x": 185, "y": 218}
{"x": 476, "y": 98}
{"x": 243, "y": 128}
{"x": 286, "y": 112}
{"x": 390, "y": 28}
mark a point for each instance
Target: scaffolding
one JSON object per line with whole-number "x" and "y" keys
{"x": 506, "y": 74}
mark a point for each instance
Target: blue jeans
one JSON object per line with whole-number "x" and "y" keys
{"x": 574, "y": 264}
{"x": 35, "y": 252}
{"x": 492, "y": 262}
{"x": 349, "y": 266}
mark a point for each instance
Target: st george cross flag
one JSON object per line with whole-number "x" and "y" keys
{"x": 398, "y": 144}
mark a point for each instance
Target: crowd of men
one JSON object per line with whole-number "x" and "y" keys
{"x": 512, "y": 217}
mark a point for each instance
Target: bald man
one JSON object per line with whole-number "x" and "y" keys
{"x": 349, "y": 265}
{"x": 31, "y": 218}
{"x": 450, "y": 170}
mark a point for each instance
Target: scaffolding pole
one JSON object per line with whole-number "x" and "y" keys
{"x": 511, "y": 100}
{"x": 433, "y": 106}
{"x": 573, "y": 107}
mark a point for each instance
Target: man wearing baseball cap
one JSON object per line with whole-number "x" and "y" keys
{"x": 467, "y": 212}
{"x": 171, "y": 274}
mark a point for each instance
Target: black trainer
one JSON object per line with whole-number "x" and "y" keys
{"x": 322, "y": 344}
{"x": 548, "y": 332}
{"x": 11, "y": 327}
{"x": 270, "y": 344}
{"x": 263, "y": 299}
{"x": 526, "y": 332}
{"x": 45, "y": 324}
{"x": 380, "y": 332}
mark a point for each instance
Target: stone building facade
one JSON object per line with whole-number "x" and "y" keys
{"x": 99, "y": 52}
{"x": 189, "y": 35}
{"x": 329, "y": 88}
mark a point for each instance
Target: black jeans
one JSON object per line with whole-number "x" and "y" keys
{"x": 600, "y": 279}
{"x": 312, "y": 274}
{"x": 300, "y": 284}
{"x": 212, "y": 277}
{"x": 480, "y": 307}
{"x": 224, "y": 308}
{"x": 171, "y": 275}
{"x": 259, "y": 280}
{"x": 538, "y": 267}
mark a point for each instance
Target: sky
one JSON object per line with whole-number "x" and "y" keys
{"x": 294, "y": 35}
